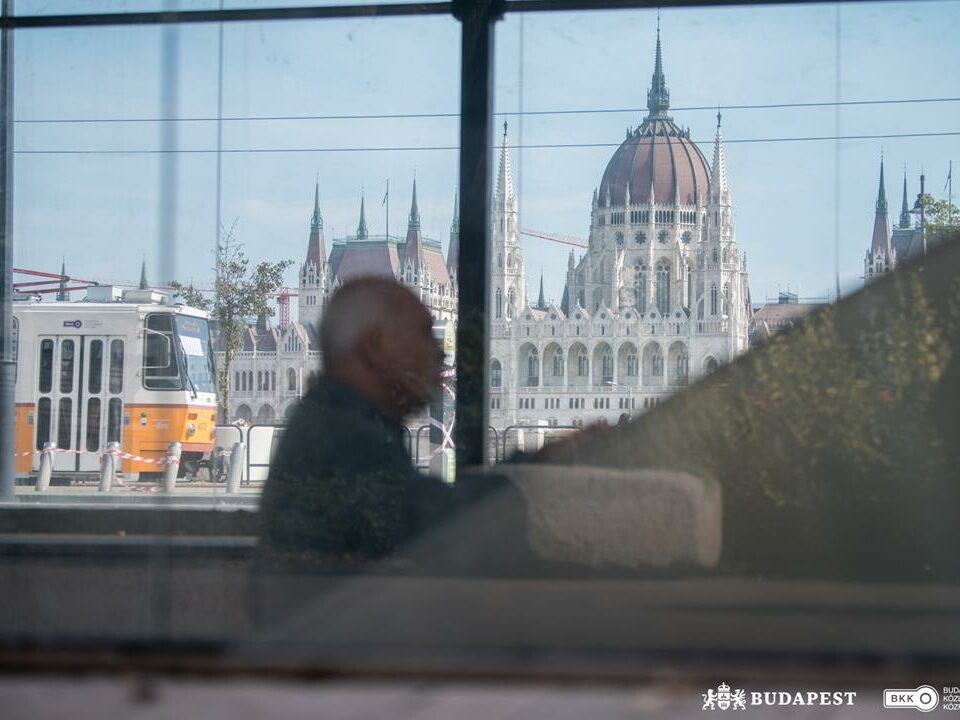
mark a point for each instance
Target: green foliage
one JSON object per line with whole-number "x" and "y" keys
{"x": 941, "y": 218}
{"x": 241, "y": 292}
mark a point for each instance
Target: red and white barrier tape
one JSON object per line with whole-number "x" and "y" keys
{"x": 166, "y": 460}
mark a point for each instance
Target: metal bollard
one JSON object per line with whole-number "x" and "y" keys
{"x": 236, "y": 468}
{"x": 108, "y": 466}
{"x": 173, "y": 466}
{"x": 46, "y": 466}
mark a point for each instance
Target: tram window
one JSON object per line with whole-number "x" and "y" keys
{"x": 116, "y": 366}
{"x": 66, "y": 366}
{"x": 95, "y": 377}
{"x": 113, "y": 420}
{"x": 43, "y": 420}
{"x": 160, "y": 371}
{"x": 46, "y": 367}
{"x": 93, "y": 424}
{"x": 64, "y": 423}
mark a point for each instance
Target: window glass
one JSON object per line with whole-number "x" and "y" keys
{"x": 45, "y": 381}
{"x": 116, "y": 366}
{"x": 66, "y": 365}
{"x": 43, "y": 422}
{"x": 65, "y": 424}
{"x": 161, "y": 365}
{"x": 114, "y": 411}
{"x": 95, "y": 381}
{"x": 93, "y": 424}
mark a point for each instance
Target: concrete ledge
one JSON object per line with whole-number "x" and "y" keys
{"x": 640, "y": 518}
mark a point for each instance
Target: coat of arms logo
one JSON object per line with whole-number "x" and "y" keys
{"x": 723, "y": 698}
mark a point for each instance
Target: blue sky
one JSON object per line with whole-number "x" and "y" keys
{"x": 101, "y": 211}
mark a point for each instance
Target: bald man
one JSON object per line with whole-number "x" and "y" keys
{"x": 342, "y": 486}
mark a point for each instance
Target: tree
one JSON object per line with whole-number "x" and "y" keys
{"x": 941, "y": 218}
{"x": 241, "y": 292}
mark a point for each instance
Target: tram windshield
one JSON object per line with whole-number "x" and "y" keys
{"x": 193, "y": 335}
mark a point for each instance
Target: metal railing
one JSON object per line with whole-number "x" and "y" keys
{"x": 540, "y": 428}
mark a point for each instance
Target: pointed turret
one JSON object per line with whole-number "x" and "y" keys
{"x": 453, "y": 250}
{"x": 316, "y": 249}
{"x": 541, "y": 300}
{"x": 413, "y": 249}
{"x": 718, "y": 171}
{"x": 362, "y": 227}
{"x": 63, "y": 294}
{"x": 505, "y": 194}
{"x": 905, "y": 207}
{"x": 880, "y": 244}
{"x": 658, "y": 96}
{"x": 565, "y": 300}
{"x": 144, "y": 285}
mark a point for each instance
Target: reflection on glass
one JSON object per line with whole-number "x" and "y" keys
{"x": 93, "y": 424}
{"x": 65, "y": 424}
{"x": 96, "y": 367}
{"x": 43, "y": 422}
{"x": 45, "y": 381}
{"x": 66, "y": 366}
{"x": 116, "y": 367}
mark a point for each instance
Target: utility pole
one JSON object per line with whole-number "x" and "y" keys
{"x": 7, "y": 361}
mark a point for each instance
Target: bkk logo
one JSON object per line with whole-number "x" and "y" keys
{"x": 723, "y": 698}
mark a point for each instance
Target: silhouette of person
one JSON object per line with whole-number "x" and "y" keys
{"x": 342, "y": 486}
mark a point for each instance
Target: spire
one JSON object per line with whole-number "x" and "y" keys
{"x": 718, "y": 172}
{"x": 63, "y": 294}
{"x": 882, "y": 192}
{"x": 453, "y": 250}
{"x": 505, "y": 175}
{"x": 565, "y": 300}
{"x": 316, "y": 222}
{"x": 414, "y": 220}
{"x": 316, "y": 249}
{"x": 880, "y": 242}
{"x": 905, "y": 207}
{"x": 541, "y": 301}
{"x": 143, "y": 274}
{"x": 362, "y": 227}
{"x": 658, "y": 96}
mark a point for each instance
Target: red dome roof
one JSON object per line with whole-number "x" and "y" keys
{"x": 660, "y": 162}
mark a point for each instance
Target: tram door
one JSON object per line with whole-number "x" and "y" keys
{"x": 79, "y": 404}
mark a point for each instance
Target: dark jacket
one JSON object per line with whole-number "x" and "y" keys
{"x": 342, "y": 485}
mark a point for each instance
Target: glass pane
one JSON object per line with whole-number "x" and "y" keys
{"x": 161, "y": 367}
{"x": 65, "y": 424}
{"x": 66, "y": 366}
{"x": 95, "y": 380}
{"x": 114, "y": 412}
{"x": 45, "y": 383}
{"x": 93, "y": 424}
{"x": 116, "y": 367}
{"x": 43, "y": 422}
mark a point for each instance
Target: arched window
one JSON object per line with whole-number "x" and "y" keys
{"x": 716, "y": 256}
{"x": 259, "y": 381}
{"x": 499, "y": 303}
{"x": 496, "y": 374}
{"x": 640, "y": 287}
{"x": 725, "y": 300}
{"x": 558, "y": 363}
{"x": 236, "y": 381}
{"x": 713, "y": 299}
{"x": 682, "y": 364}
{"x": 606, "y": 364}
{"x": 291, "y": 380}
{"x": 533, "y": 368}
{"x": 662, "y": 288}
{"x": 656, "y": 363}
{"x": 273, "y": 380}
{"x": 711, "y": 365}
{"x": 582, "y": 363}
{"x": 632, "y": 364}
{"x": 511, "y": 303}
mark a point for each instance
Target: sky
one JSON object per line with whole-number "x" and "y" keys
{"x": 92, "y": 193}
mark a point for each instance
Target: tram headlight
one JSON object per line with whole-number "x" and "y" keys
{"x": 191, "y": 430}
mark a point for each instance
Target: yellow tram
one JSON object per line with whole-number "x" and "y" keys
{"x": 120, "y": 366}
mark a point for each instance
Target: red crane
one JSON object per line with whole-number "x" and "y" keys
{"x": 555, "y": 237}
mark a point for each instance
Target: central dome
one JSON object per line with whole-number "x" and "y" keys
{"x": 658, "y": 161}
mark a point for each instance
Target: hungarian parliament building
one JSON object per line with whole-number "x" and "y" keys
{"x": 659, "y": 298}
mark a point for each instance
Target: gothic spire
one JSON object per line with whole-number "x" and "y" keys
{"x": 718, "y": 172}
{"x": 505, "y": 175}
{"x": 905, "y": 207}
{"x": 453, "y": 250}
{"x": 882, "y": 192}
{"x": 414, "y": 220}
{"x": 143, "y": 274}
{"x": 316, "y": 249}
{"x": 541, "y": 301}
{"x": 658, "y": 96}
{"x": 362, "y": 227}
{"x": 63, "y": 294}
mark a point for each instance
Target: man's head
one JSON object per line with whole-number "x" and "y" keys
{"x": 377, "y": 337}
